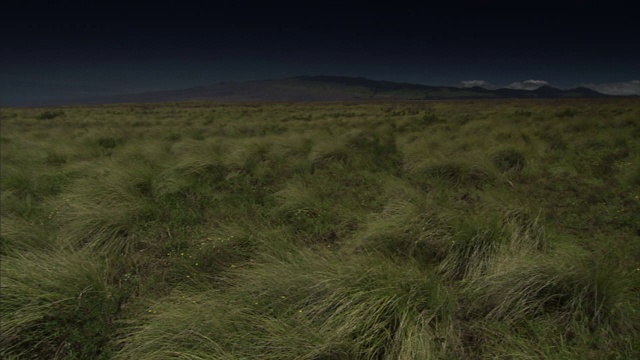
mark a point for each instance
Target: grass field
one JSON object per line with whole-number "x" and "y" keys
{"x": 390, "y": 230}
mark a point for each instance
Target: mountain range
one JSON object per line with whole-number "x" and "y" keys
{"x": 307, "y": 88}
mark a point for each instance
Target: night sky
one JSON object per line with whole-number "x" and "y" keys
{"x": 156, "y": 46}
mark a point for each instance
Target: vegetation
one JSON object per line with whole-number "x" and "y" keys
{"x": 391, "y": 230}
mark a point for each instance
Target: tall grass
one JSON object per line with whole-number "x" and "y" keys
{"x": 305, "y": 305}
{"x": 441, "y": 230}
{"x": 56, "y": 304}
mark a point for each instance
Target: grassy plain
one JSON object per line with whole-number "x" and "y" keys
{"x": 406, "y": 230}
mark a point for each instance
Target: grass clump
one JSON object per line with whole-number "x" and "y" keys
{"x": 307, "y": 306}
{"x": 452, "y": 173}
{"x": 583, "y": 301}
{"x": 56, "y": 305}
{"x": 407, "y": 227}
{"x": 51, "y": 114}
{"x": 508, "y": 160}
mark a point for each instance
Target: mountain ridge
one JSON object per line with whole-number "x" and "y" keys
{"x": 325, "y": 88}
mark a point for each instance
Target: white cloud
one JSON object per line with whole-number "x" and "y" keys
{"x": 528, "y": 84}
{"x": 617, "y": 88}
{"x": 473, "y": 83}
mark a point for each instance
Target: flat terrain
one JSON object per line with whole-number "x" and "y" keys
{"x": 384, "y": 230}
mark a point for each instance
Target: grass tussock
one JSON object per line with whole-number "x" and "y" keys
{"x": 309, "y": 306}
{"x": 56, "y": 304}
{"x": 440, "y": 230}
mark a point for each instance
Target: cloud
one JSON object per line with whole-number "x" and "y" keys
{"x": 474, "y": 83}
{"x": 528, "y": 84}
{"x": 617, "y": 88}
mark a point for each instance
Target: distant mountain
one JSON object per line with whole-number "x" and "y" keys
{"x": 579, "y": 92}
{"x": 319, "y": 88}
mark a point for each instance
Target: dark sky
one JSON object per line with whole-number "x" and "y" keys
{"x": 158, "y": 46}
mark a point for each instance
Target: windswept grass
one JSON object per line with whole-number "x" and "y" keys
{"x": 56, "y": 304}
{"x": 439, "y": 230}
{"x": 308, "y": 305}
